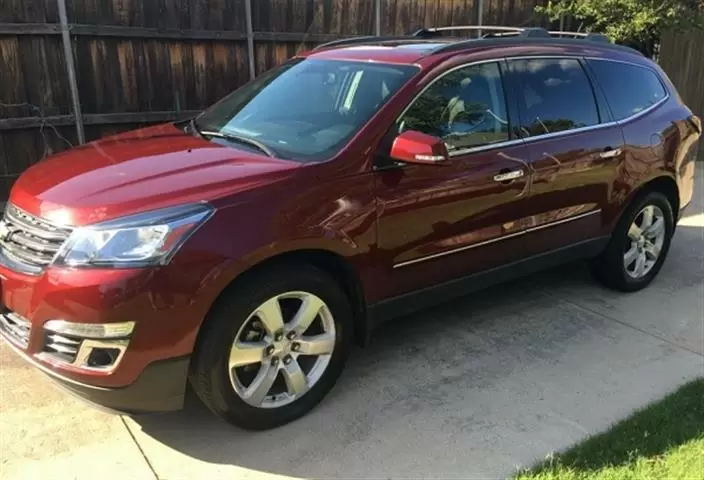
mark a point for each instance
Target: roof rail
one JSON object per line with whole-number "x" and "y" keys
{"x": 502, "y": 31}
{"x": 371, "y": 39}
{"x": 486, "y": 32}
{"x": 437, "y": 31}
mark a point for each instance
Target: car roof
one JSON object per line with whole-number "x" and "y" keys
{"x": 399, "y": 52}
{"x": 430, "y": 46}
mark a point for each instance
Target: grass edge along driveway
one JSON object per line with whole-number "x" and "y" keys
{"x": 663, "y": 441}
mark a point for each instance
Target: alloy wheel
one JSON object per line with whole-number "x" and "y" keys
{"x": 646, "y": 237}
{"x": 282, "y": 350}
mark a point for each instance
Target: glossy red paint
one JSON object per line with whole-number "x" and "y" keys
{"x": 397, "y": 230}
{"x": 155, "y": 167}
{"x": 417, "y": 147}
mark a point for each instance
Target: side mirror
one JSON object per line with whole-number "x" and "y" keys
{"x": 416, "y": 147}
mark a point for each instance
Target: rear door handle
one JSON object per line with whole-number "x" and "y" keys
{"x": 508, "y": 176}
{"x": 611, "y": 153}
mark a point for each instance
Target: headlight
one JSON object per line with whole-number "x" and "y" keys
{"x": 140, "y": 240}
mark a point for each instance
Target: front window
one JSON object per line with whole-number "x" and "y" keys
{"x": 466, "y": 108}
{"x": 304, "y": 110}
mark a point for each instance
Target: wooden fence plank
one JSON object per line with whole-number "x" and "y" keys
{"x": 682, "y": 58}
{"x": 140, "y": 62}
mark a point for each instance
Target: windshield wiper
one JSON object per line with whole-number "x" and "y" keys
{"x": 236, "y": 138}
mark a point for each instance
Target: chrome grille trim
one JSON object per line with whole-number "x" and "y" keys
{"x": 31, "y": 243}
{"x": 15, "y": 328}
{"x": 61, "y": 347}
{"x": 74, "y": 350}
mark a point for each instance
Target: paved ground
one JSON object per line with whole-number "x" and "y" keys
{"x": 473, "y": 389}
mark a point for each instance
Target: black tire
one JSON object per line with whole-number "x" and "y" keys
{"x": 209, "y": 371}
{"x": 609, "y": 268}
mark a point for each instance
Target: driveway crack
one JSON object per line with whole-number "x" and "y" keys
{"x": 625, "y": 324}
{"x": 139, "y": 447}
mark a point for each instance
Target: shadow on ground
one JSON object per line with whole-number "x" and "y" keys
{"x": 481, "y": 385}
{"x": 404, "y": 369}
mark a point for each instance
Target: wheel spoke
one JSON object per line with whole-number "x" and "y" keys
{"x": 322, "y": 344}
{"x": 648, "y": 213}
{"x": 656, "y": 228}
{"x": 310, "y": 308}
{"x": 295, "y": 378}
{"x": 630, "y": 256}
{"x": 246, "y": 354}
{"x": 257, "y": 391}
{"x": 652, "y": 250}
{"x": 270, "y": 315}
{"x": 640, "y": 265}
{"x": 634, "y": 232}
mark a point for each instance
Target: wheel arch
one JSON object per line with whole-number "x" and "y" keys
{"x": 664, "y": 184}
{"x": 332, "y": 263}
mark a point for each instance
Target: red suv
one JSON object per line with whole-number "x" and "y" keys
{"x": 247, "y": 249}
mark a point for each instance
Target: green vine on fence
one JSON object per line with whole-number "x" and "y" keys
{"x": 639, "y": 23}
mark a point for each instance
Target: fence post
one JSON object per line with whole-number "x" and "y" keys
{"x": 377, "y": 18}
{"x": 250, "y": 38}
{"x": 480, "y": 16}
{"x": 71, "y": 69}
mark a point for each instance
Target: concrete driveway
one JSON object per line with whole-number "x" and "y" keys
{"x": 473, "y": 389}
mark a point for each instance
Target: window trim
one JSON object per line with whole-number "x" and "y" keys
{"x": 644, "y": 67}
{"x": 545, "y": 136}
{"x": 464, "y": 151}
{"x": 592, "y": 87}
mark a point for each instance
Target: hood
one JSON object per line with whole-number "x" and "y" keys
{"x": 138, "y": 171}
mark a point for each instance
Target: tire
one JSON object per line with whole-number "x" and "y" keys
{"x": 210, "y": 369}
{"x": 610, "y": 267}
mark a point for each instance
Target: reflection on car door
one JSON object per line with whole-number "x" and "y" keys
{"x": 440, "y": 222}
{"x": 574, "y": 147}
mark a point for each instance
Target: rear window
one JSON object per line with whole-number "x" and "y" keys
{"x": 629, "y": 89}
{"x": 554, "y": 95}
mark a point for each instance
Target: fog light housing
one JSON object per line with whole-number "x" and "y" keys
{"x": 88, "y": 346}
{"x": 90, "y": 330}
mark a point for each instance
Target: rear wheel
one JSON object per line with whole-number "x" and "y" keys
{"x": 638, "y": 246}
{"x": 274, "y": 348}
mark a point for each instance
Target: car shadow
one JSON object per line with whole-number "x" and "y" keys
{"x": 414, "y": 366}
{"x": 467, "y": 379}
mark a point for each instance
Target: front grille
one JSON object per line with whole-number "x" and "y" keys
{"x": 62, "y": 347}
{"x": 15, "y": 328}
{"x": 29, "y": 242}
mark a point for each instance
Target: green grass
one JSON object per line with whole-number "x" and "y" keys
{"x": 664, "y": 441}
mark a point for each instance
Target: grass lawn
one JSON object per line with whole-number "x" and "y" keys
{"x": 664, "y": 441}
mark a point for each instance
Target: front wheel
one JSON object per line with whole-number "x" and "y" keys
{"x": 273, "y": 348}
{"x": 638, "y": 246}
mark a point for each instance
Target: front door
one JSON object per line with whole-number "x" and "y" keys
{"x": 440, "y": 222}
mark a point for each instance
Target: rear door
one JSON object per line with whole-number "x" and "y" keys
{"x": 575, "y": 150}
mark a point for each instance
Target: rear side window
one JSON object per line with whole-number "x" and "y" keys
{"x": 554, "y": 95}
{"x": 629, "y": 89}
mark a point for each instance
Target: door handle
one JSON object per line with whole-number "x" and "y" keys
{"x": 507, "y": 176}
{"x": 611, "y": 153}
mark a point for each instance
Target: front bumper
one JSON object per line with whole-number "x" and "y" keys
{"x": 164, "y": 305}
{"x": 160, "y": 387}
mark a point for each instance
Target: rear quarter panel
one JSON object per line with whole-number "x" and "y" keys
{"x": 661, "y": 143}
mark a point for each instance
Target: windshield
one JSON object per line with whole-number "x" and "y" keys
{"x": 304, "y": 110}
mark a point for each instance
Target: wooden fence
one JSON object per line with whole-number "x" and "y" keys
{"x": 139, "y": 62}
{"x": 682, "y": 57}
